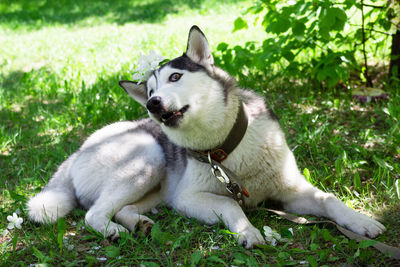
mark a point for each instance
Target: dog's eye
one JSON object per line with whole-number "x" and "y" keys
{"x": 175, "y": 77}
{"x": 151, "y": 91}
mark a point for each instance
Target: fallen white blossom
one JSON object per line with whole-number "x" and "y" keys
{"x": 15, "y": 221}
{"x": 272, "y": 236}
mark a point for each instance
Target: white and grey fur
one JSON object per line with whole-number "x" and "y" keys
{"x": 127, "y": 168}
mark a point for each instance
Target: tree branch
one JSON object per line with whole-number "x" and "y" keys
{"x": 369, "y": 81}
{"x": 369, "y": 5}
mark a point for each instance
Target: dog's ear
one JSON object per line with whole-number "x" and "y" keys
{"x": 198, "y": 49}
{"x": 136, "y": 91}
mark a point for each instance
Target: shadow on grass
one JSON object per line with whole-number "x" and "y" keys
{"x": 44, "y": 119}
{"x": 37, "y": 14}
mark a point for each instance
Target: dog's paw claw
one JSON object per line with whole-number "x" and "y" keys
{"x": 113, "y": 231}
{"x": 250, "y": 237}
{"x": 366, "y": 226}
{"x": 146, "y": 226}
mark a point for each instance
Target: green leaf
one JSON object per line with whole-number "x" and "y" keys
{"x": 366, "y": 243}
{"x": 321, "y": 75}
{"x": 62, "y": 228}
{"x": 112, "y": 251}
{"x": 327, "y": 18}
{"x": 312, "y": 261}
{"x": 286, "y": 233}
{"x": 327, "y": 236}
{"x": 239, "y": 24}
{"x": 215, "y": 258}
{"x": 357, "y": 181}
{"x": 280, "y": 26}
{"x": 195, "y": 258}
{"x": 222, "y": 46}
{"x": 225, "y": 231}
{"x": 333, "y": 77}
{"x": 349, "y": 3}
{"x": 313, "y": 246}
{"x": 306, "y": 174}
{"x": 39, "y": 255}
{"x": 358, "y": 35}
{"x": 383, "y": 164}
{"x": 339, "y": 13}
{"x": 15, "y": 196}
{"x": 340, "y": 20}
{"x": 149, "y": 264}
{"x": 14, "y": 241}
{"x": 298, "y": 28}
{"x": 324, "y": 32}
{"x": 159, "y": 236}
{"x": 397, "y": 186}
{"x": 283, "y": 255}
{"x": 287, "y": 54}
{"x": 243, "y": 259}
{"x": 357, "y": 254}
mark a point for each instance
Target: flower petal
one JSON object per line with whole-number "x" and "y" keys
{"x": 10, "y": 226}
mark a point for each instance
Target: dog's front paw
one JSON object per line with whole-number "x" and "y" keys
{"x": 250, "y": 237}
{"x": 364, "y": 225}
{"x": 113, "y": 229}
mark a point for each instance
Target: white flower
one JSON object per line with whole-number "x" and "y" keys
{"x": 271, "y": 236}
{"x": 102, "y": 258}
{"x": 15, "y": 221}
{"x": 215, "y": 247}
{"x": 5, "y": 232}
{"x": 146, "y": 65}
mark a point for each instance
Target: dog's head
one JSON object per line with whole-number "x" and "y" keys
{"x": 187, "y": 93}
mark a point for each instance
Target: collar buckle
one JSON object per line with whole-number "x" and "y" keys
{"x": 218, "y": 155}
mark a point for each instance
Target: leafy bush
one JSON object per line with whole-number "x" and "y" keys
{"x": 324, "y": 40}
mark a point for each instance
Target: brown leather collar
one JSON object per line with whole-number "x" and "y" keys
{"x": 233, "y": 139}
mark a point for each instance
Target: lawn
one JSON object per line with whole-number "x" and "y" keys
{"x": 60, "y": 66}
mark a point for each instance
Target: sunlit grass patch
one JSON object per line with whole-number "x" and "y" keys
{"x": 60, "y": 67}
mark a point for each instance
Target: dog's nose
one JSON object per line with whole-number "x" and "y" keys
{"x": 154, "y": 104}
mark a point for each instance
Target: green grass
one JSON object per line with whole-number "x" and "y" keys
{"x": 60, "y": 65}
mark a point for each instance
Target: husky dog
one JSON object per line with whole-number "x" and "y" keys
{"x": 127, "y": 168}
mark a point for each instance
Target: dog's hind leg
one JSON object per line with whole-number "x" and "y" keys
{"x": 130, "y": 215}
{"x": 100, "y": 214}
{"x": 306, "y": 199}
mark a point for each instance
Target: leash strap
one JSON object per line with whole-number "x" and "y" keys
{"x": 382, "y": 247}
{"x": 224, "y": 175}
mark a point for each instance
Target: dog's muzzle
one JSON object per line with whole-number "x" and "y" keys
{"x": 154, "y": 105}
{"x": 169, "y": 118}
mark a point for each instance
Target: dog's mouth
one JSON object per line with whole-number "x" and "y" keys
{"x": 172, "y": 118}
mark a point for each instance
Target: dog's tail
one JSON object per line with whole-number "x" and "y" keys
{"x": 56, "y": 199}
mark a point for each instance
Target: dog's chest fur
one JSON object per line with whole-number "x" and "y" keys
{"x": 258, "y": 160}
